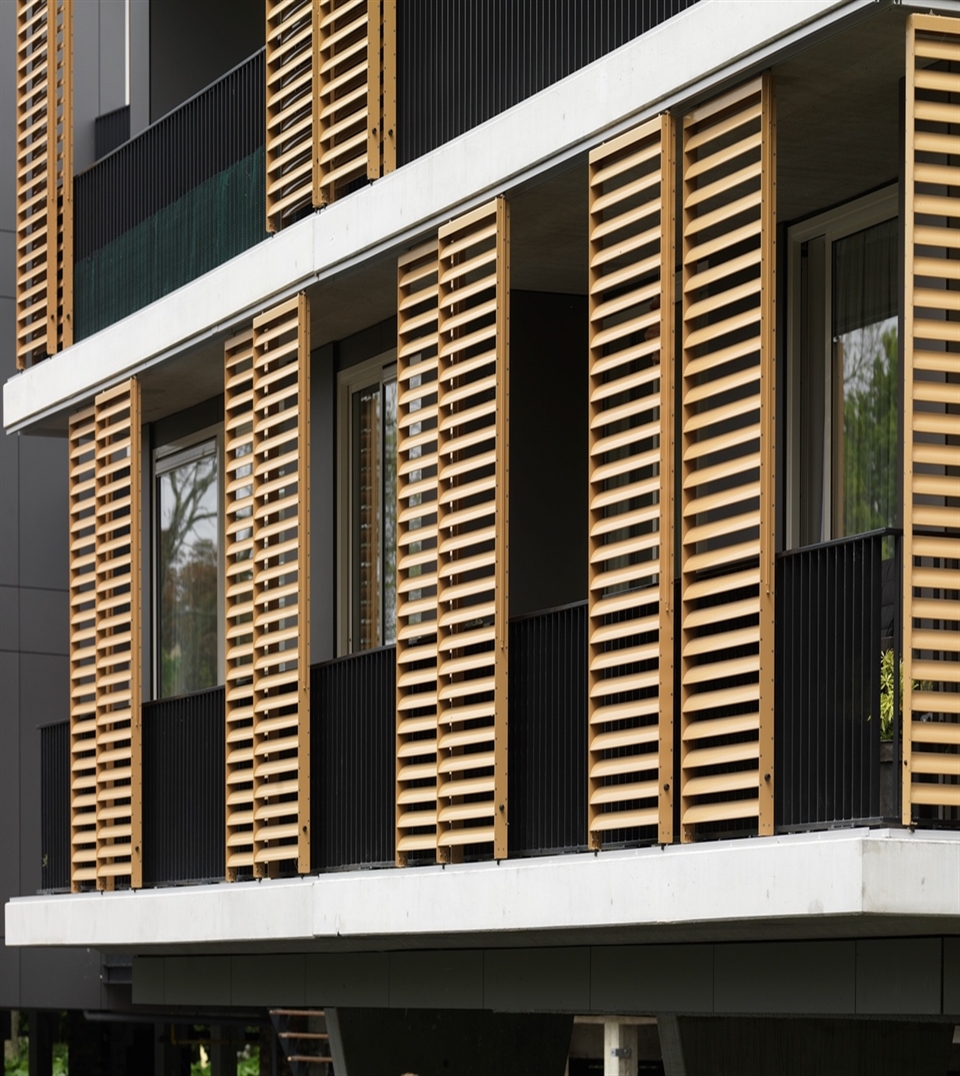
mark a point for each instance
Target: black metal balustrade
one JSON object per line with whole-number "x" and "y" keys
{"x": 460, "y": 62}
{"x": 352, "y": 747}
{"x": 55, "y": 809}
{"x": 183, "y": 788}
{"x": 179, "y": 199}
{"x": 547, "y": 734}
{"x": 838, "y": 612}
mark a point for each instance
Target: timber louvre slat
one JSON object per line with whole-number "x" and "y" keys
{"x": 238, "y": 588}
{"x": 931, "y": 347}
{"x": 727, "y": 456}
{"x": 330, "y": 100}
{"x": 83, "y": 649}
{"x": 472, "y": 531}
{"x": 630, "y": 649}
{"x": 280, "y": 653}
{"x": 118, "y": 634}
{"x": 416, "y": 792}
{"x": 44, "y": 162}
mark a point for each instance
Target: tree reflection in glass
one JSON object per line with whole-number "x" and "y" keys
{"x": 187, "y": 563}
{"x": 865, "y": 380}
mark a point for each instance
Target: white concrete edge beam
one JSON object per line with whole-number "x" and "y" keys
{"x": 846, "y": 873}
{"x": 706, "y": 41}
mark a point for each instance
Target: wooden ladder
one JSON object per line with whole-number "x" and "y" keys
{"x": 306, "y": 1044}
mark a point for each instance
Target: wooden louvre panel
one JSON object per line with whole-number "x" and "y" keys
{"x": 44, "y": 186}
{"x": 727, "y": 462}
{"x": 60, "y": 187}
{"x": 290, "y": 109}
{"x": 632, "y": 244}
{"x": 417, "y": 553}
{"x": 118, "y": 634}
{"x": 83, "y": 650}
{"x": 281, "y": 587}
{"x": 931, "y": 510}
{"x": 472, "y": 527}
{"x": 238, "y": 596}
{"x": 330, "y": 99}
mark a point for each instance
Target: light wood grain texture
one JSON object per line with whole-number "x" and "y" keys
{"x": 472, "y": 496}
{"x": 44, "y": 179}
{"x": 238, "y": 596}
{"x": 280, "y": 591}
{"x": 416, "y": 791}
{"x": 330, "y": 100}
{"x": 83, "y": 649}
{"x": 727, "y": 452}
{"x": 931, "y": 482}
{"x": 631, "y": 452}
{"x": 118, "y": 541}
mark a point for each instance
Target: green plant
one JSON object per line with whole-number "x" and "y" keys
{"x": 886, "y": 692}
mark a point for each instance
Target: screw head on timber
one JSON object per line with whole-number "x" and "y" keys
{"x": 766, "y": 777}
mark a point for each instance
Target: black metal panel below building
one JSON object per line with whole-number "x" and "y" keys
{"x": 55, "y": 806}
{"x": 548, "y": 732}
{"x": 838, "y": 699}
{"x": 183, "y": 788}
{"x": 352, "y": 747}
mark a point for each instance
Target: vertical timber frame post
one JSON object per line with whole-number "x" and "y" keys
{"x": 281, "y": 588}
{"x": 728, "y": 456}
{"x": 631, "y": 454}
{"x": 388, "y": 88}
{"x": 473, "y": 530}
{"x": 118, "y": 632}
{"x": 931, "y": 448}
{"x": 416, "y": 742}
{"x": 768, "y": 448}
{"x": 502, "y": 600}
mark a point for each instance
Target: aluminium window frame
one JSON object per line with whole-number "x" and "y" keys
{"x": 165, "y": 458}
{"x": 831, "y": 225}
{"x": 350, "y": 380}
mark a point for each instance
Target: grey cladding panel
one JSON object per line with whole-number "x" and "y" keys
{"x": 148, "y": 980}
{"x": 43, "y": 508}
{"x": 537, "y": 980}
{"x": 60, "y": 978}
{"x": 44, "y": 623}
{"x": 195, "y": 980}
{"x": 951, "y": 977}
{"x": 899, "y": 976}
{"x": 445, "y": 979}
{"x": 349, "y": 979}
{"x": 785, "y": 977}
{"x": 268, "y": 980}
{"x": 651, "y": 978}
{"x": 9, "y": 618}
{"x": 9, "y": 781}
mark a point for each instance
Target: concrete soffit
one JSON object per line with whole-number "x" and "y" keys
{"x": 711, "y": 44}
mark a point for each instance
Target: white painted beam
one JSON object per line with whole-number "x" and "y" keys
{"x": 800, "y": 878}
{"x": 708, "y": 42}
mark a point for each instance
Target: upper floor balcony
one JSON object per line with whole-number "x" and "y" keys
{"x": 620, "y": 509}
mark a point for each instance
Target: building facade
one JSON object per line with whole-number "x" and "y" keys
{"x": 481, "y": 523}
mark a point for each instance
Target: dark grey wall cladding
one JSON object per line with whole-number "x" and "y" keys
{"x": 462, "y": 61}
{"x": 548, "y": 459}
{"x": 192, "y": 44}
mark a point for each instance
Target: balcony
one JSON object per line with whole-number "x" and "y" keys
{"x": 838, "y": 612}
{"x": 178, "y": 200}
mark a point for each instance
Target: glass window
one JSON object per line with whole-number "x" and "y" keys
{"x": 188, "y": 569}
{"x": 865, "y": 375}
{"x": 369, "y": 396}
{"x": 843, "y": 374}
